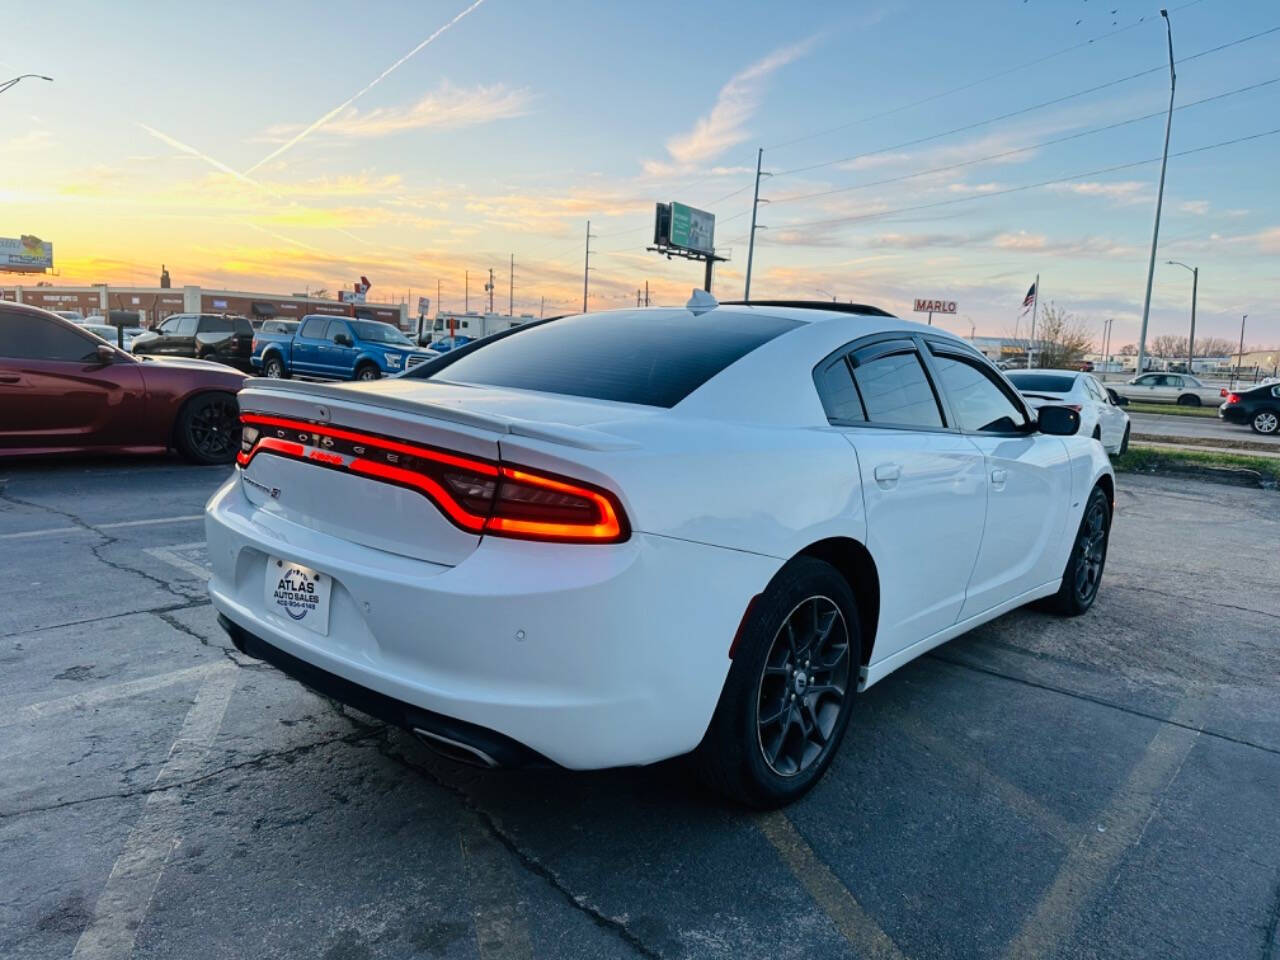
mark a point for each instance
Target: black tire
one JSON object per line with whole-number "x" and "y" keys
{"x": 1083, "y": 573}
{"x": 1097, "y": 434}
{"x": 1124, "y": 441}
{"x": 207, "y": 430}
{"x": 1265, "y": 421}
{"x": 1188, "y": 400}
{"x": 767, "y": 675}
{"x": 273, "y": 368}
{"x": 368, "y": 371}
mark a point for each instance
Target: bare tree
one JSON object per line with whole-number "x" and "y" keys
{"x": 1062, "y": 339}
{"x": 1129, "y": 350}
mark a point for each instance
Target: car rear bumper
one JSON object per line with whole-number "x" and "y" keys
{"x": 1233, "y": 414}
{"x": 587, "y": 656}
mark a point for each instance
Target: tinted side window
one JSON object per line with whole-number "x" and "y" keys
{"x": 215, "y": 325}
{"x": 895, "y": 389}
{"x": 839, "y": 395}
{"x": 35, "y": 338}
{"x": 313, "y": 327}
{"x": 336, "y": 329}
{"x": 185, "y": 327}
{"x": 978, "y": 400}
{"x": 242, "y": 326}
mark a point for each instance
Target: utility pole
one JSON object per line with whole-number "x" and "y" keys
{"x": 1240, "y": 355}
{"x": 466, "y": 295}
{"x": 586, "y": 269}
{"x": 646, "y": 293}
{"x": 489, "y": 289}
{"x": 542, "y": 309}
{"x": 751, "y": 237}
{"x": 637, "y": 296}
{"x": 511, "y": 289}
{"x": 1155, "y": 233}
{"x": 1195, "y": 282}
{"x": 1035, "y": 309}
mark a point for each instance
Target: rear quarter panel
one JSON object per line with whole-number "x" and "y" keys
{"x": 168, "y": 387}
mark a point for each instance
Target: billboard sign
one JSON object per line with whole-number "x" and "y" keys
{"x": 935, "y": 306}
{"x": 692, "y": 229}
{"x": 26, "y": 254}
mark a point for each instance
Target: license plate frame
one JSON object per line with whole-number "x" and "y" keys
{"x": 298, "y": 594}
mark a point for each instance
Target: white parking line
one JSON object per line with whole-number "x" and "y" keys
{"x": 115, "y": 525}
{"x": 125, "y": 900}
{"x": 170, "y": 555}
{"x": 497, "y": 907}
{"x": 104, "y": 694}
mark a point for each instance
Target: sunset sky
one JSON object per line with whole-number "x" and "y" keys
{"x": 288, "y": 145}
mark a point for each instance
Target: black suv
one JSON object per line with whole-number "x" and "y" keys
{"x": 206, "y": 336}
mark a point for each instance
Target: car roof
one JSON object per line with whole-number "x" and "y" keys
{"x": 1051, "y": 371}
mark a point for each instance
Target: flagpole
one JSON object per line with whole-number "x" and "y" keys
{"x": 1035, "y": 308}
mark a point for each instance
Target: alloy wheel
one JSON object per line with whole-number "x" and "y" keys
{"x": 1266, "y": 422}
{"x": 213, "y": 427}
{"x": 803, "y": 686}
{"x": 1092, "y": 551}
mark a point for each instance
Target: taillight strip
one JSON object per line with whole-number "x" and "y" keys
{"x": 611, "y": 528}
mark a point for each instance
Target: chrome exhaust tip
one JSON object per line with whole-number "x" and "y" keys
{"x": 455, "y": 749}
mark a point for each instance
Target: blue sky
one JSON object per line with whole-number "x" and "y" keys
{"x": 520, "y": 121}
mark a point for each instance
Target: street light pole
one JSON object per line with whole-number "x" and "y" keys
{"x": 35, "y": 76}
{"x": 1195, "y": 282}
{"x": 1155, "y": 233}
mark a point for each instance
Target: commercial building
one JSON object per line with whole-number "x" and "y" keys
{"x": 153, "y": 304}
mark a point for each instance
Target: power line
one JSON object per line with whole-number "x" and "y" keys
{"x": 1029, "y": 186}
{"x": 1023, "y": 110}
{"x": 967, "y": 86}
{"x": 1017, "y": 150}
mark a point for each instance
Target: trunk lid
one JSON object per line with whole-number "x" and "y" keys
{"x": 319, "y": 431}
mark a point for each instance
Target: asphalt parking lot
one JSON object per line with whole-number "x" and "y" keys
{"x": 1101, "y": 787}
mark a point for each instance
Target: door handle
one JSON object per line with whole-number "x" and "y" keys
{"x": 9, "y": 379}
{"x": 999, "y": 476}
{"x": 888, "y": 472}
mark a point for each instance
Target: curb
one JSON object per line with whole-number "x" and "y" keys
{"x": 1233, "y": 476}
{"x": 1225, "y": 443}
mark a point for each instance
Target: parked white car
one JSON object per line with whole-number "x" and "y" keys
{"x": 1180, "y": 388}
{"x": 557, "y": 547}
{"x": 1099, "y": 417}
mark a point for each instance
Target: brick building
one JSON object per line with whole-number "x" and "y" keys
{"x": 153, "y": 304}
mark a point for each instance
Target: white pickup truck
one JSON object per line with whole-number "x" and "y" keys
{"x": 1179, "y": 388}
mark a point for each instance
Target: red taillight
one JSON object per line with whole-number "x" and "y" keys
{"x": 1073, "y": 406}
{"x": 1222, "y": 392}
{"x": 476, "y": 495}
{"x": 1231, "y": 397}
{"x": 255, "y": 344}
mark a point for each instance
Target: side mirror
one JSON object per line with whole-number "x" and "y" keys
{"x": 105, "y": 353}
{"x": 1058, "y": 421}
{"x": 342, "y": 340}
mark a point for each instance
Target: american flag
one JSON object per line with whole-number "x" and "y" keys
{"x": 1029, "y": 299}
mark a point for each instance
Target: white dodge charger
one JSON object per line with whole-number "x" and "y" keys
{"x": 618, "y": 537}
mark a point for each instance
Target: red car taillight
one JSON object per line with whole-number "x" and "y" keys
{"x": 476, "y": 495}
{"x": 1231, "y": 397}
{"x": 255, "y": 345}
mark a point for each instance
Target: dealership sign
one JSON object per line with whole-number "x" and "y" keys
{"x": 26, "y": 254}
{"x": 935, "y": 306}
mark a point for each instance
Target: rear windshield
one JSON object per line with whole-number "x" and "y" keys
{"x": 652, "y": 358}
{"x": 1042, "y": 382}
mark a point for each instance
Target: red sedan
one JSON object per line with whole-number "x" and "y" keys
{"x": 64, "y": 390}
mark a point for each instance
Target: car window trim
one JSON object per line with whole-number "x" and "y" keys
{"x": 846, "y": 351}
{"x": 963, "y": 352}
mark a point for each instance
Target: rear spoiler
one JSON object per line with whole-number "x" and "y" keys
{"x": 563, "y": 434}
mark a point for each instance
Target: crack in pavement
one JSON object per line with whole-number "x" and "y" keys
{"x": 107, "y": 540}
{"x": 1204, "y": 731}
{"x": 230, "y": 653}
{"x": 527, "y": 860}
{"x": 1186, "y": 599}
{"x": 259, "y": 761}
{"x": 171, "y": 608}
